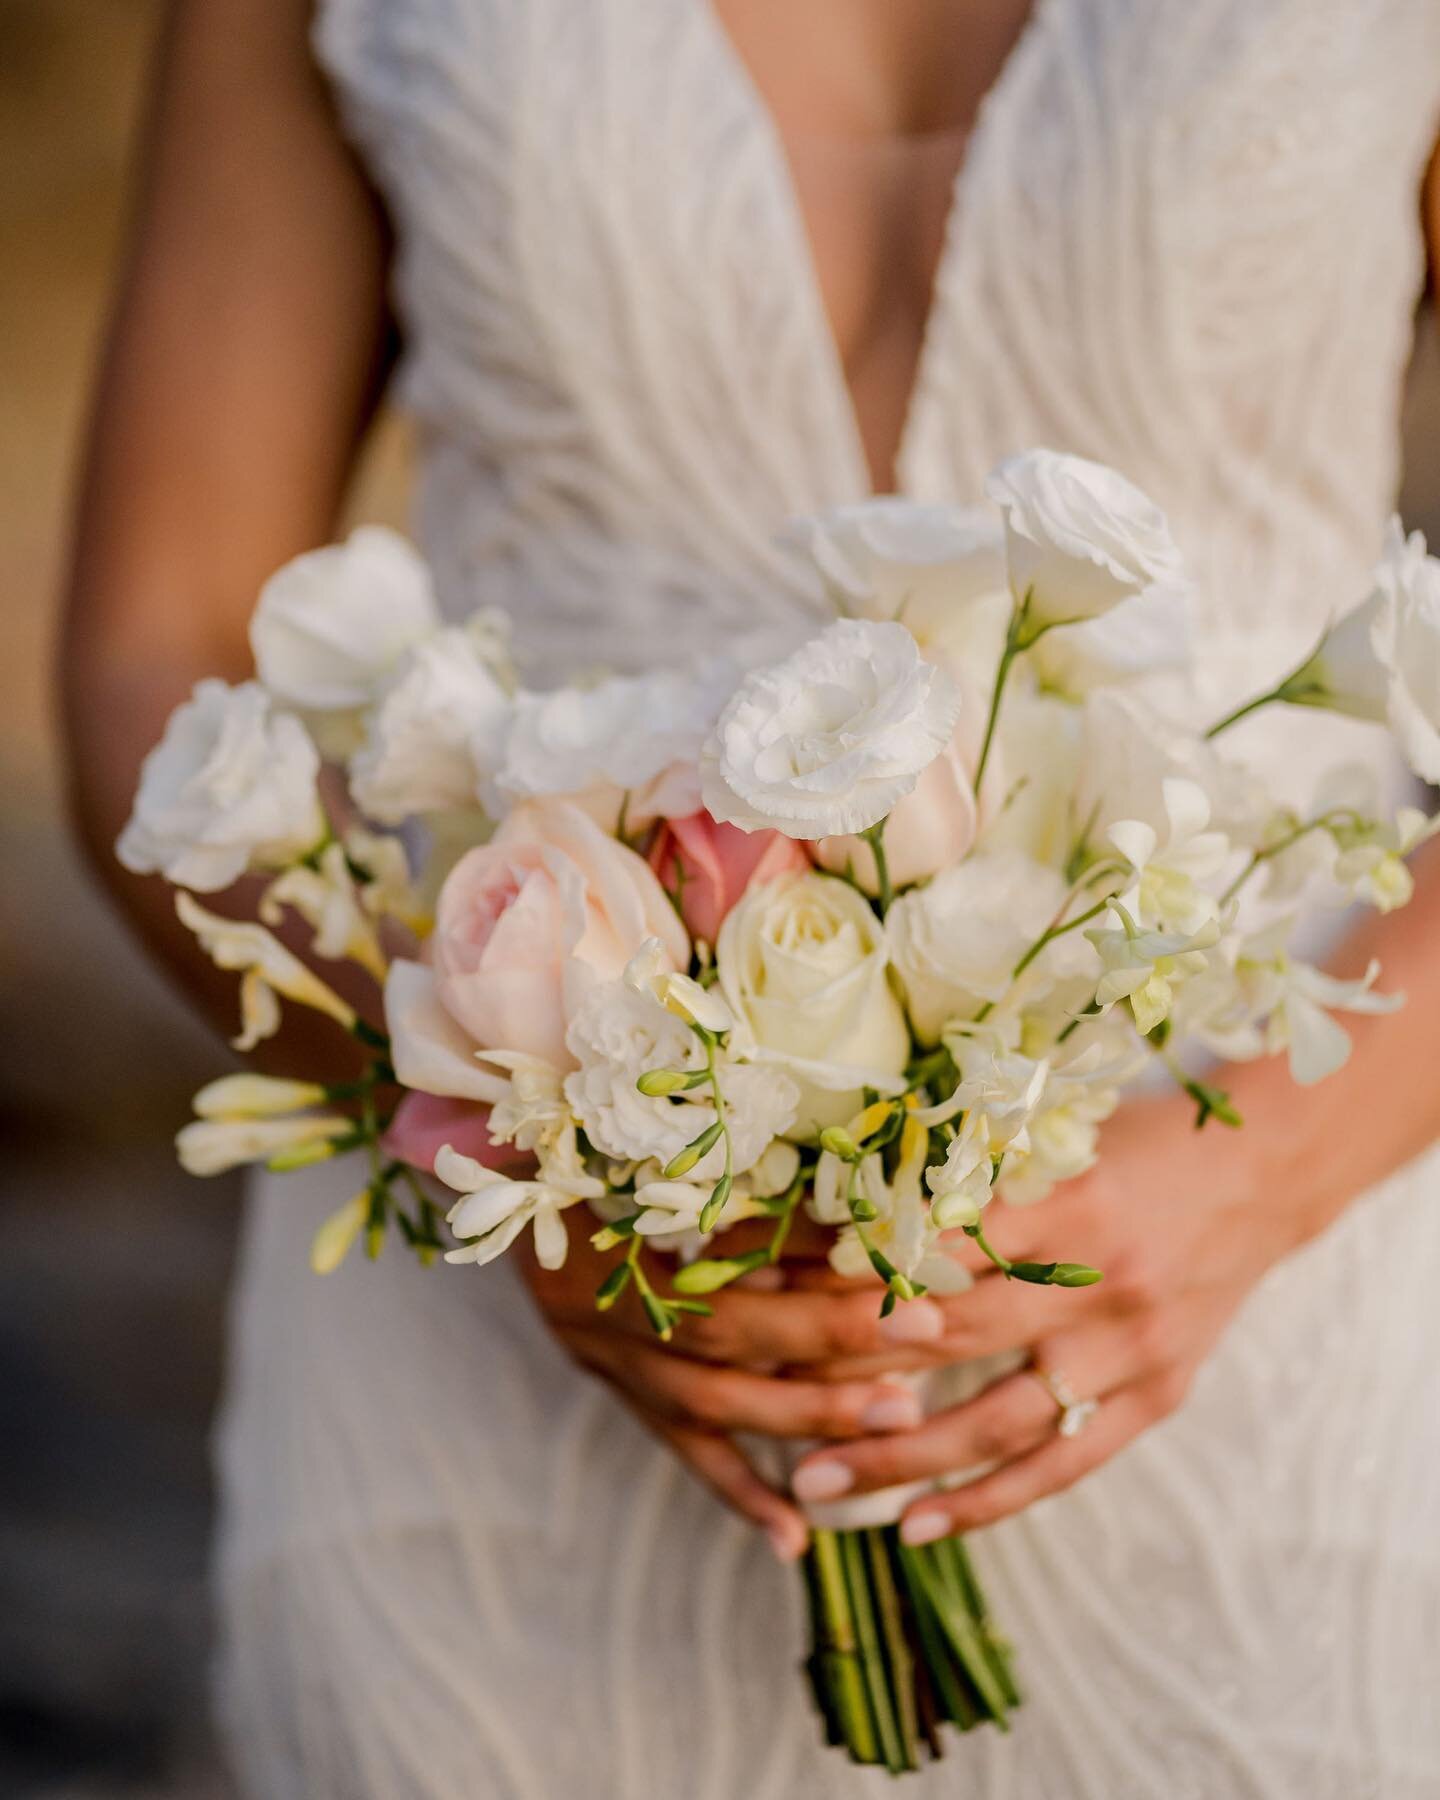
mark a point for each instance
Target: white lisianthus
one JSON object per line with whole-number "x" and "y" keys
{"x": 266, "y": 969}
{"x": 493, "y": 1210}
{"x": 1162, "y": 876}
{"x": 803, "y": 968}
{"x": 230, "y": 786}
{"x": 828, "y": 741}
{"x": 214, "y": 1146}
{"x": 891, "y": 558}
{"x": 621, "y": 1032}
{"x": 955, "y": 942}
{"x": 632, "y": 741}
{"x": 327, "y": 899}
{"x": 1079, "y": 538}
{"x": 433, "y": 742}
{"x": 1147, "y": 635}
{"x": 332, "y": 624}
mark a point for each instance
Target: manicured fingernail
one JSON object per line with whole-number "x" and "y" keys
{"x": 898, "y": 1410}
{"x": 787, "y": 1541}
{"x": 913, "y": 1322}
{"x": 822, "y": 1481}
{"x": 923, "y": 1528}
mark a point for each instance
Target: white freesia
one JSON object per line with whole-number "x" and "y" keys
{"x": 999, "y": 1082}
{"x": 955, "y": 942}
{"x": 332, "y": 624}
{"x": 325, "y": 896}
{"x": 1148, "y": 967}
{"x": 961, "y": 1186}
{"x": 803, "y": 967}
{"x": 266, "y": 969}
{"x": 494, "y": 1209}
{"x": 230, "y": 786}
{"x": 649, "y": 972}
{"x": 214, "y": 1146}
{"x": 892, "y": 558}
{"x": 829, "y": 740}
{"x": 1162, "y": 875}
{"x": 1079, "y": 538}
{"x": 387, "y": 888}
{"x": 255, "y": 1097}
{"x": 621, "y": 1032}
{"x": 434, "y": 741}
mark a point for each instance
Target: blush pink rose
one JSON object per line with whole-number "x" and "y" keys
{"x": 712, "y": 865}
{"x": 931, "y": 828}
{"x": 523, "y": 925}
{"x": 424, "y": 1123}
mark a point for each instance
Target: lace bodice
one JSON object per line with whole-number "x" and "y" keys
{"x": 1184, "y": 239}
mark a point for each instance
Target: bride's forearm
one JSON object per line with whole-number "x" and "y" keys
{"x": 1321, "y": 1147}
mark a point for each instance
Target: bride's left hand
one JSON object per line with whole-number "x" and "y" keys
{"x": 1183, "y": 1224}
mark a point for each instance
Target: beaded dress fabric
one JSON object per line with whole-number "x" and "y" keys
{"x": 1184, "y": 240}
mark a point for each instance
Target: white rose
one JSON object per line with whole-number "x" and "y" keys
{"x": 955, "y": 943}
{"x": 617, "y": 1034}
{"x": 434, "y": 738}
{"x": 231, "y": 785}
{"x": 891, "y": 558}
{"x": 829, "y": 740}
{"x": 1079, "y": 537}
{"x": 802, "y": 965}
{"x": 332, "y": 624}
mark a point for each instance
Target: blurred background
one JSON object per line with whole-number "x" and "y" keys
{"x": 113, "y": 1266}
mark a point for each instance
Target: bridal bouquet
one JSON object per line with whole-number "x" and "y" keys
{"x": 877, "y": 925}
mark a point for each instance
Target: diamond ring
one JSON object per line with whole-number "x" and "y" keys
{"x": 1075, "y": 1413}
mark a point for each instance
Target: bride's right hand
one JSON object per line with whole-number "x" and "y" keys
{"x": 723, "y": 1375}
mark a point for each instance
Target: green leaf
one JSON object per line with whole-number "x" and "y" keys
{"x": 1041, "y": 1274}
{"x": 697, "y": 1307}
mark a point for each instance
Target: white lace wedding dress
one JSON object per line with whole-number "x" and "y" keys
{"x": 1184, "y": 240}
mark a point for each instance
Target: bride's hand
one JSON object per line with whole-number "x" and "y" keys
{"x": 1183, "y": 1224}
{"x": 720, "y": 1375}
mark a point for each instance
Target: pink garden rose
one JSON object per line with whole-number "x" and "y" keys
{"x": 523, "y": 924}
{"x": 931, "y": 828}
{"x": 712, "y": 865}
{"x": 425, "y": 1123}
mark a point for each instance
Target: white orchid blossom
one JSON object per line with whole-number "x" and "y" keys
{"x": 1148, "y": 967}
{"x": 1162, "y": 876}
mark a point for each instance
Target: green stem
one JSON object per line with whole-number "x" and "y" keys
{"x": 840, "y": 1651}
{"x": 1002, "y": 1263}
{"x": 1015, "y": 642}
{"x": 1244, "y": 712}
{"x": 875, "y": 838}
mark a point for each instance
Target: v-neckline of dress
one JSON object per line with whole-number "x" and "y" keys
{"x": 800, "y": 251}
